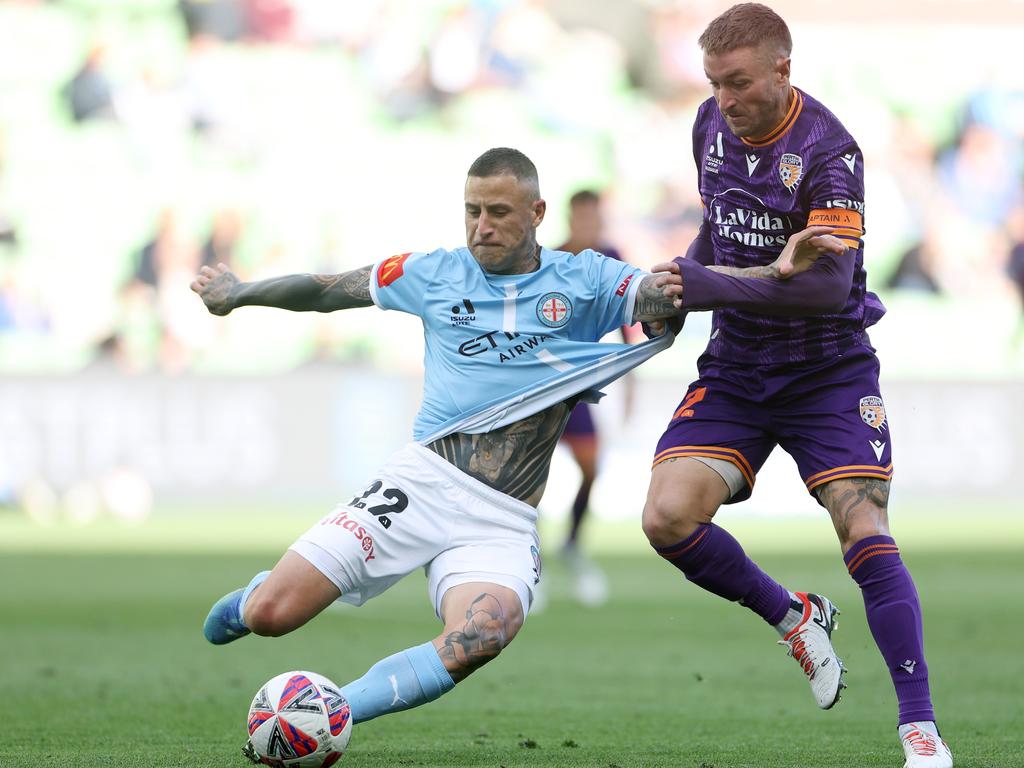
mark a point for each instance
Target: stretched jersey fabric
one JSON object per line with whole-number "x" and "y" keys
{"x": 808, "y": 171}
{"x": 499, "y": 348}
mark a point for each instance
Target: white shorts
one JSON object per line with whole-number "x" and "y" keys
{"x": 419, "y": 511}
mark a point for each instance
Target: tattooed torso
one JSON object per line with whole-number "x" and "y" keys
{"x": 514, "y": 460}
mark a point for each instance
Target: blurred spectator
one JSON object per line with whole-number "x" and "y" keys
{"x": 979, "y": 175}
{"x": 269, "y": 21}
{"x": 8, "y": 234}
{"x": 161, "y": 250}
{"x": 222, "y": 243}
{"x": 456, "y": 50}
{"x": 90, "y": 93}
{"x": 19, "y": 312}
{"x": 586, "y": 225}
{"x": 1015, "y": 258}
{"x": 914, "y": 270}
{"x": 223, "y": 19}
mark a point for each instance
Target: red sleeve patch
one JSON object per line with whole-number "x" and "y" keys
{"x": 391, "y": 269}
{"x": 621, "y": 291}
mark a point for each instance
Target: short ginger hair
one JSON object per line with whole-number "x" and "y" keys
{"x": 747, "y": 25}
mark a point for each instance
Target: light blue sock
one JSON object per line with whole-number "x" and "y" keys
{"x": 258, "y": 579}
{"x": 402, "y": 681}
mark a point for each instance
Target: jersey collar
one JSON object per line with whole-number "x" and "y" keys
{"x": 796, "y": 105}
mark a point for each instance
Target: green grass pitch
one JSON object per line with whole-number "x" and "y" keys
{"x": 102, "y": 664}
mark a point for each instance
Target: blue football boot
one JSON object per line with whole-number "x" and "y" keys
{"x": 224, "y": 621}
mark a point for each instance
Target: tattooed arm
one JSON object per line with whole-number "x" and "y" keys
{"x": 222, "y": 291}
{"x": 651, "y": 302}
{"x": 515, "y": 459}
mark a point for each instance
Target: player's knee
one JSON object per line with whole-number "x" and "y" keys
{"x": 485, "y": 633}
{"x": 669, "y": 518}
{"x": 267, "y": 618}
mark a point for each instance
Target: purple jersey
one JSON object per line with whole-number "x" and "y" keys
{"x": 809, "y": 170}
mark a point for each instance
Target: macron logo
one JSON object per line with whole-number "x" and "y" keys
{"x": 621, "y": 290}
{"x": 752, "y": 161}
{"x": 850, "y": 160}
{"x": 908, "y": 666}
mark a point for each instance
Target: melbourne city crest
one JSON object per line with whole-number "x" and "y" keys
{"x": 554, "y": 309}
{"x": 791, "y": 168}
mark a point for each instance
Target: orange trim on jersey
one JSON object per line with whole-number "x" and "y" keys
{"x": 681, "y": 550}
{"x": 795, "y": 108}
{"x": 709, "y": 452}
{"x": 868, "y": 552}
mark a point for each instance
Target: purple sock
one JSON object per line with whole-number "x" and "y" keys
{"x": 579, "y": 507}
{"x": 714, "y": 560}
{"x": 894, "y": 616}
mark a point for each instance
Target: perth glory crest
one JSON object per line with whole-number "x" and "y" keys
{"x": 791, "y": 168}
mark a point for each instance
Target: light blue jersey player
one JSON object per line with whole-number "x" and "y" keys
{"x": 497, "y": 344}
{"x": 512, "y": 335}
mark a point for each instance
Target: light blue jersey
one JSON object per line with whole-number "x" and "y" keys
{"x": 501, "y": 347}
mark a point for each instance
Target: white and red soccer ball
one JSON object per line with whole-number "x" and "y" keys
{"x": 299, "y": 720}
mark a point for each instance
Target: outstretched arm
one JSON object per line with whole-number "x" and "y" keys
{"x": 222, "y": 291}
{"x": 812, "y": 276}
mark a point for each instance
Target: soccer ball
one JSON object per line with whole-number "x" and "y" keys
{"x": 298, "y": 720}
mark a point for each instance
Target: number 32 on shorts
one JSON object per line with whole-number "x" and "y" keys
{"x": 398, "y": 502}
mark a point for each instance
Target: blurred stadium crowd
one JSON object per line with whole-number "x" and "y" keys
{"x": 140, "y": 139}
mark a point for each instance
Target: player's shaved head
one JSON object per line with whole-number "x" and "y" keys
{"x": 504, "y": 160}
{"x": 747, "y": 25}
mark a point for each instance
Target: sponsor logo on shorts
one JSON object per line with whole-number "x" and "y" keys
{"x": 554, "y": 309}
{"x": 791, "y": 168}
{"x": 391, "y": 269}
{"x": 535, "y": 553}
{"x": 872, "y": 412}
{"x": 342, "y": 520}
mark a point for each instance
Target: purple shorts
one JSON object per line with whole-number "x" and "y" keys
{"x": 828, "y": 416}
{"x": 580, "y": 423}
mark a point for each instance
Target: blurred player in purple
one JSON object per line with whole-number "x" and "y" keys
{"x": 586, "y": 230}
{"x": 790, "y": 367}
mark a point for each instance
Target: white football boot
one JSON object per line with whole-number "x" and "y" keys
{"x": 807, "y": 634}
{"x": 589, "y": 584}
{"x": 923, "y": 746}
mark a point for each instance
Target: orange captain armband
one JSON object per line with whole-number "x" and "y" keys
{"x": 848, "y": 225}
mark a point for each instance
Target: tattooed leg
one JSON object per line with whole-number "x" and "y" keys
{"x": 858, "y": 508}
{"x": 891, "y": 603}
{"x": 479, "y": 621}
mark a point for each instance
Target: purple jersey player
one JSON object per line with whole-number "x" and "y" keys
{"x": 786, "y": 365}
{"x": 590, "y": 587}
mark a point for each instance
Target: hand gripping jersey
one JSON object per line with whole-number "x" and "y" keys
{"x": 809, "y": 170}
{"x": 499, "y": 348}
